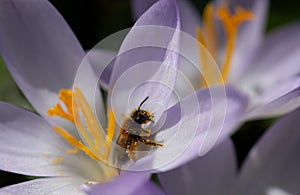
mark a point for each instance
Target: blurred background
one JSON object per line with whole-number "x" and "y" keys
{"x": 93, "y": 20}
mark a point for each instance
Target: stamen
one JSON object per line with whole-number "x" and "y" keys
{"x": 207, "y": 37}
{"x": 92, "y": 134}
{"x": 78, "y": 144}
{"x": 231, "y": 24}
{"x": 206, "y": 74}
{"x": 72, "y": 151}
{"x": 210, "y": 29}
{"x": 65, "y": 95}
{"x": 110, "y": 132}
{"x": 80, "y": 103}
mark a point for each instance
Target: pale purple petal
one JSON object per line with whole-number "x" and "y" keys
{"x": 190, "y": 18}
{"x": 249, "y": 38}
{"x": 273, "y": 163}
{"x": 45, "y": 186}
{"x": 162, "y": 13}
{"x": 29, "y": 145}
{"x": 139, "y": 7}
{"x": 154, "y": 38}
{"x": 202, "y": 125}
{"x": 149, "y": 188}
{"x": 213, "y": 173}
{"x": 282, "y": 88}
{"x": 278, "y": 57}
{"x": 279, "y": 106}
{"x": 127, "y": 183}
{"x": 26, "y": 140}
{"x": 101, "y": 63}
{"x": 261, "y": 94}
{"x": 39, "y": 48}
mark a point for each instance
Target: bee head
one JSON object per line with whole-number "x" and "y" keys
{"x": 142, "y": 116}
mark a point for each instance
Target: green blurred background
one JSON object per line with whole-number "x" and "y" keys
{"x": 93, "y": 20}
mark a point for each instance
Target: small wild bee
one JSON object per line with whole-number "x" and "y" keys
{"x": 132, "y": 132}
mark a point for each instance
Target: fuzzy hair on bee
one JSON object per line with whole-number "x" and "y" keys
{"x": 132, "y": 131}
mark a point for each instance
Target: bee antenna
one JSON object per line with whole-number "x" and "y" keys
{"x": 142, "y": 102}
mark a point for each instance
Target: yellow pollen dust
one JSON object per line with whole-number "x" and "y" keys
{"x": 86, "y": 123}
{"x": 57, "y": 160}
{"x": 46, "y": 154}
{"x": 208, "y": 39}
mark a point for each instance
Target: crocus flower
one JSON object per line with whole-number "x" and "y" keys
{"x": 265, "y": 68}
{"x": 45, "y": 59}
{"x": 272, "y": 166}
{"x": 43, "y": 54}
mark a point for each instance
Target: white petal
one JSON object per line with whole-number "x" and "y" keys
{"x": 279, "y": 106}
{"x": 29, "y": 146}
{"x": 45, "y": 186}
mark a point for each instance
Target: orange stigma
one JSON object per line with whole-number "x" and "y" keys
{"x": 208, "y": 39}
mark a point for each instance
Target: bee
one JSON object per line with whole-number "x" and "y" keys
{"x": 132, "y": 132}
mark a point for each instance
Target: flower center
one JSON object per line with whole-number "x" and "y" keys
{"x": 207, "y": 38}
{"x": 96, "y": 144}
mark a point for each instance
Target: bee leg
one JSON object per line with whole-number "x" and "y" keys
{"x": 130, "y": 149}
{"x": 149, "y": 142}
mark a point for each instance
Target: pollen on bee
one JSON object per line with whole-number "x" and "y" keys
{"x": 90, "y": 183}
{"x": 57, "y": 160}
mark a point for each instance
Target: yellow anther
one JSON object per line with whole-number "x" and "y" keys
{"x": 92, "y": 130}
{"x": 210, "y": 29}
{"x": 93, "y": 136}
{"x": 110, "y": 132}
{"x": 207, "y": 38}
{"x": 72, "y": 151}
{"x": 203, "y": 58}
{"x": 78, "y": 144}
{"x": 231, "y": 24}
{"x": 57, "y": 160}
{"x": 60, "y": 173}
{"x": 65, "y": 95}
